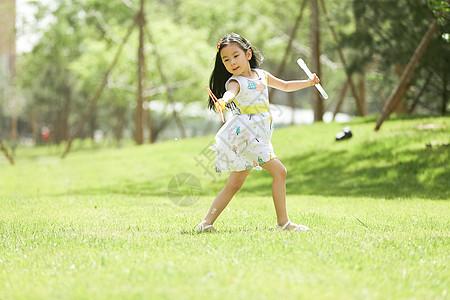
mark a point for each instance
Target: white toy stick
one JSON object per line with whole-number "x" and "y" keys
{"x": 302, "y": 65}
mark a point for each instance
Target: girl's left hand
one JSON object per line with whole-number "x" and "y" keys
{"x": 314, "y": 80}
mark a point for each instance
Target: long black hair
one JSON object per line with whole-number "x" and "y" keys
{"x": 220, "y": 75}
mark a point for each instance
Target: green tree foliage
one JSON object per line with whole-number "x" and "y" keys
{"x": 48, "y": 83}
{"x": 441, "y": 12}
{"x": 83, "y": 38}
{"x": 82, "y": 42}
{"x": 68, "y": 64}
{"x": 386, "y": 35}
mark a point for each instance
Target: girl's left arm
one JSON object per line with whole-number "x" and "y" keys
{"x": 292, "y": 85}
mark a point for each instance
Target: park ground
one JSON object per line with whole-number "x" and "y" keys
{"x": 103, "y": 222}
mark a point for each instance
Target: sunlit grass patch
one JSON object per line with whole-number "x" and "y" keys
{"x": 100, "y": 225}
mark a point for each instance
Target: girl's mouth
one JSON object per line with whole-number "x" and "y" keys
{"x": 235, "y": 68}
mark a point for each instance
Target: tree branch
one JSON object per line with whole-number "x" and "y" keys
{"x": 98, "y": 93}
{"x": 5, "y": 151}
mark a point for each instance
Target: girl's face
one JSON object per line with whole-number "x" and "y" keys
{"x": 235, "y": 59}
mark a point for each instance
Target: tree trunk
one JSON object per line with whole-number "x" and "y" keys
{"x": 444, "y": 93}
{"x": 61, "y": 130}
{"x": 165, "y": 83}
{"x": 399, "y": 92}
{"x": 8, "y": 55}
{"x": 287, "y": 51}
{"x": 361, "y": 100}
{"x": 362, "y": 92}
{"x": 14, "y": 127}
{"x": 341, "y": 99}
{"x": 341, "y": 56}
{"x": 138, "y": 118}
{"x": 5, "y": 151}
{"x": 120, "y": 117}
{"x": 157, "y": 128}
{"x": 65, "y": 113}
{"x": 315, "y": 47}
{"x": 92, "y": 125}
{"x": 291, "y": 39}
{"x": 148, "y": 121}
{"x": 401, "y": 108}
{"x": 419, "y": 94}
{"x": 98, "y": 93}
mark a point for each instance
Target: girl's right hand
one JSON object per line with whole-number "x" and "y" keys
{"x": 220, "y": 105}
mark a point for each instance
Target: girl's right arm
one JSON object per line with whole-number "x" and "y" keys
{"x": 233, "y": 89}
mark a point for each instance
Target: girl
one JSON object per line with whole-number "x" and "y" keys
{"x": 243, "y": 143}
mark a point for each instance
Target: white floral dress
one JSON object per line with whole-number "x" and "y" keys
{"x": 243, "y": 142}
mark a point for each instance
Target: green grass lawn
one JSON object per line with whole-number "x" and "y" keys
{"x": 100, "y": 225}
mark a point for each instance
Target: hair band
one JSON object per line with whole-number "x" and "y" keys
{"x": 232, "y": 38}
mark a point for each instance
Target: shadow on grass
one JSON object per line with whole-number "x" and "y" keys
{"x": 388, "y": 167}
{"x": 373, "y": 172}
{"x": 422, "y": 173}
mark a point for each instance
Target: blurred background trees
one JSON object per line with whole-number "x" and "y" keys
{"x": 52, "y": 86}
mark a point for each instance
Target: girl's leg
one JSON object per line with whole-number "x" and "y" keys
{"x": 279, "y": 172}
{"x": 234, "y": 183}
